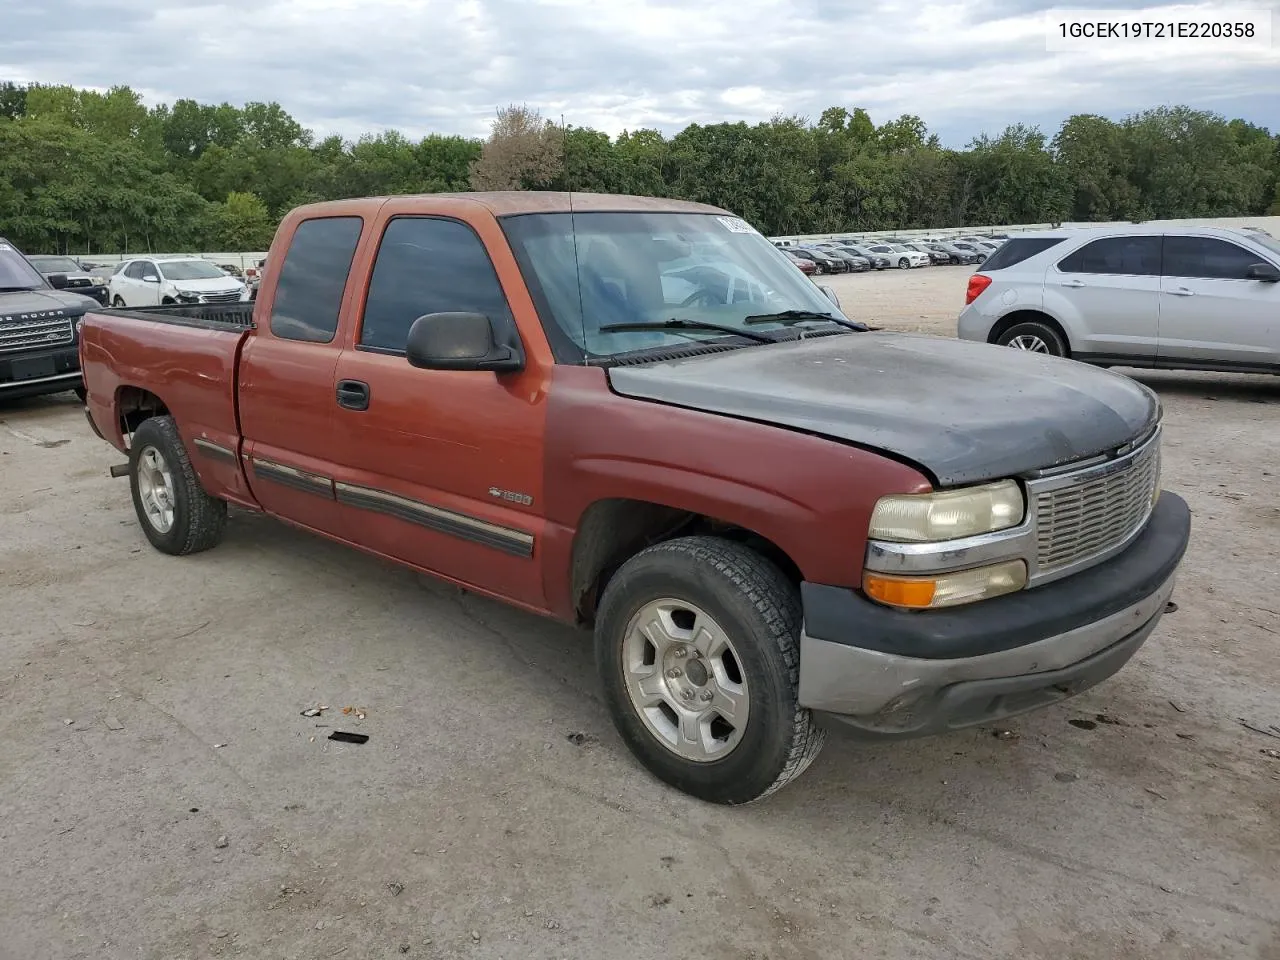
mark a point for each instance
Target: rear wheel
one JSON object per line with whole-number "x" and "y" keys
{"x": 1033, "y": 337}
{"x": 697, "y": 644}
{"x": 176, "y": 514}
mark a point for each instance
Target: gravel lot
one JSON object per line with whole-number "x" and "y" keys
{"x": 161, "y": 797}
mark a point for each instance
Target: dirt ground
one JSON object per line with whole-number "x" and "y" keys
{"x": 161, "y": 797}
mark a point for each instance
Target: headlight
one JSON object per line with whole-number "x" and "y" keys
{"x": 947, "y": 514}
{"x": 97, "y": 281}
{"x": 946, "y": 589}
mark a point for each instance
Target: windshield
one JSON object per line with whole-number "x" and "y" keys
{"x": 15, "y": 272}
{"x": 56, "y": 265}
{"x": 648, "y": 268}
{"x": 190, "y": 270}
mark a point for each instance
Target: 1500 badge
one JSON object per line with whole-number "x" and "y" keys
{"x": 511, "y": 496}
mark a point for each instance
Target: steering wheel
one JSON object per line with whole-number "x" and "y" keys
{"x": 702, "y": 298}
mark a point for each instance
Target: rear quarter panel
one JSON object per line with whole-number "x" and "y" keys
{"x": 191, "y": 370}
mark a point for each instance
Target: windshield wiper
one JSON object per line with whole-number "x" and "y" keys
{"x": 682, "y": 325}
{"x": 789, "y": 317}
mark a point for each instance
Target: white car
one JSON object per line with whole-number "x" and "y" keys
{"x": 1193, "y": 298}
{"x": 902, "y": 257}
{"x": 152, "y": 281}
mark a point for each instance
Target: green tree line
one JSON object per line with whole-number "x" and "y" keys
{"x": 83, "y": 171}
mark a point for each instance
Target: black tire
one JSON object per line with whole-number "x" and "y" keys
{"x": 1042, "y": 332}
{"x": 198, "y": 519}
{"x": 117, "y": 302}
{"x": 81, "y": 393}
{"x": 904, "y": 264}
{"x": 759, "y": 609}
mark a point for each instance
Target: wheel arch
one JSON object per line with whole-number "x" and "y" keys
{"x": 1029, "y": 316}
{"x": 134, "y": 405}
{"x": 611, "y": 531}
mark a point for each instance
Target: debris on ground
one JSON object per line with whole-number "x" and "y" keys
{"x": 553, "y": 924}
{"x": 475, "y": 936}
{"x": 1065, "y": 777}
{"x": 1268, "y": 752}
{"x": 577, "y": 738}
{"x": 1170, "y": 607}
{"x": 113, "y": 723}
{"x": 395, "y": 888}
{"x": 1186, "y": 736}
{"x": 1103, "y": 718}
{"x": 219, "y": 746}
{"x": 1004, "y": 734}
{"x": 221, "y": 843}
{"x": 1176, "y": 706}
{"x": 314, "y": 711}
{"x": 68, "y": 722}
{"x": 344, "y": 737}
{"x": 1156, "y": 793}
{"x": 1273, "y": 732}
{"x": 1083, "y": 724}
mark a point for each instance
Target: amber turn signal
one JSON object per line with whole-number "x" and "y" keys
{"x": 946, "y": 589}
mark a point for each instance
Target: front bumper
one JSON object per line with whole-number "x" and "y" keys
{"x": 34, "y": 372}
{"x": 881, "y": 672}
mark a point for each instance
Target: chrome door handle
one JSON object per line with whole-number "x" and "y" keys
{"x": 1073, "y": 283}
{"x": 1182, "y": 292}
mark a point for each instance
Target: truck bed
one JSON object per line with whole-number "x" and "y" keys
{"x": 209, "y": 316}
{"x": 179, "y": 359}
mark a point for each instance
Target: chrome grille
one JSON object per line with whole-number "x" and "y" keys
{"x": 24, "y": 334}
{"x": 231, "y": 297}
{"x": 1080, "y": 520}
{"x": 79, "y": 282}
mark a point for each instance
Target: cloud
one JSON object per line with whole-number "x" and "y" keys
{"x": 356, "y": 66}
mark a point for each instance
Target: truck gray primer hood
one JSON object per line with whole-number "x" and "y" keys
{"x": 965, "y": 412}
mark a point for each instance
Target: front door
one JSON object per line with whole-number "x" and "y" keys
{"x": 440, "y": 469}
{"x": 1210, "y": 309}
{"x": 139, "y": 290}
{"x": 1111, "y": 290}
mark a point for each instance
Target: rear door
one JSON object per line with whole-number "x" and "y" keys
{"x": 1108, "y": 294}
{"x": 286, "y": 376}
{"x": 440, "y": 469}
{"x": 1211, "y": 311}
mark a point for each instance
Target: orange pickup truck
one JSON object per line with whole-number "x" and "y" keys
{"x": 636, "y": 415}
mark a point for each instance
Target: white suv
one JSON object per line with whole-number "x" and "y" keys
{"x": 1194, "y": 298}
{"x": 153, "y": 281}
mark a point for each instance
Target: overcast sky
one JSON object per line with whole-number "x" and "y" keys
{"x": 358, "y": 66}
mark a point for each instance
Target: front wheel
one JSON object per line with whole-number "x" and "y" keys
{"x": 118, "y": 302}
{"x": 176, "y": 514}
{"x": 904, "y": 264}
{"x": 697, "y": 644}
{"x": 1033, "y": 337}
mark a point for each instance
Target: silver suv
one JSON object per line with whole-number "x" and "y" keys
{"x": 1196, "y": 298}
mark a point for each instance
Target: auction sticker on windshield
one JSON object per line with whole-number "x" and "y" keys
{"x": 736, "y": 225}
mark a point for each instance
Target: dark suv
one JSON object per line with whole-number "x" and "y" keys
{"x": 79, "y": 278}
{"x": 38, "y": 329}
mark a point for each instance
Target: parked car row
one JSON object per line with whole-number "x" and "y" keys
{"x": 855, "y": 254}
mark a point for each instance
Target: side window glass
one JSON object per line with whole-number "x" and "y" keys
{"x": 1124, "y": 256}
{"x": 313, "y": 277}
{"x": 134, "y": 271}
{"x": 1206, "y": 258}
{"x": 427, "y": 265}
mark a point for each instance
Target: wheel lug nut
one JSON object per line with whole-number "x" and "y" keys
{"x": 687, "y": 694}
{"x": 682, "y": 651}
{"x": 674, "y": 672}
{"x": 707, "y": 695}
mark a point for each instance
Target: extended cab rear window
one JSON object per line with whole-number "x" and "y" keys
{"x": 313, "y": 277}
{"x": 1017, "y": 250}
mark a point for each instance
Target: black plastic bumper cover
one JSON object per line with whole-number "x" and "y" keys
{"x": 840, "y": 615}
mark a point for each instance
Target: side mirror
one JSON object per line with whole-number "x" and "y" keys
{"x": 58, "y": 281}
{"x": 1259, "y": 271}
{"x": 151, "y": 278}
{"x": 463, "y": 341}
{"x": 829, "y": 293}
